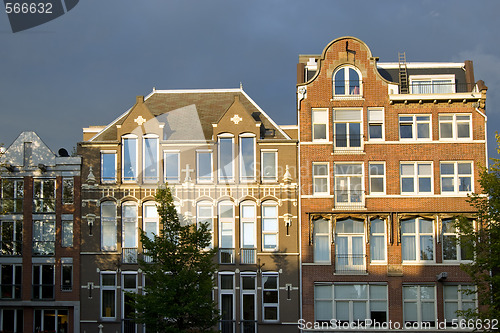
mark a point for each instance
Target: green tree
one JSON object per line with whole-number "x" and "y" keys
{"x": 179, "y": 275}
{"x": 485, "y": 241}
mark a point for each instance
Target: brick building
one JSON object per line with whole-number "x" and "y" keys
{"x": 388, "y": 153}
{"x": 39, "y": 238}
{"x": 227, "y": 164}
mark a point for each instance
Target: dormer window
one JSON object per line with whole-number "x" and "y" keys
{"x": 347, "y": 82}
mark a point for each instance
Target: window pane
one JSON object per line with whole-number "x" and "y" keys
{"x": 446, "y": 130}
{"x": 377, "y": 248}
{"x": 319, "y": 131}
{"x": 353, "y": 82}
{"x": 150, "y": 158}
{"x": 341, "y": 135}
{"x": 424, "y": 185}
{"x": 320, "y": 169}
{"x": 129, "y": 159}
{"x": 226, "y": 158}
{"x": 354, "y": 135}
{"x": 375, "y": 131}
{"x": 407, "y": 185}
{"x": 377, "y": 185}
{"x": 463, "y": 130}
{"x": 205, "y": 166}
{"x": 447, "y": 168}
{"x": 339, "y": 82}
{"x": 408, "y": 248}
{"x": 406, "y": 131}
{"x": 172, "y": 167}
{"x": 269, "y": 165}
{"x": 247, "y": 157}
{"x": 226, "y": 211}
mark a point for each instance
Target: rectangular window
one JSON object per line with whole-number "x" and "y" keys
{"x": 248, "y": 298}
{"x": 350, "y": 303}
{"x": 108, "y": 167}
{"x": 67, "y": 233}
{"x": 66, "y": 277}
{"x": 376, "y": 123}
{"x": 226, "y": 302}
{"x": 321, "y": 241}
{"x": 377, "y": 177}
{"x": 150, "y": 220}
{"x": 320, "y": 178}
{"x": 455, "y": 248}
{"x": 415, "y": 127}
{"x": 205, "y": 216}
{"x": 50, "y": 320}
{"x": 204, "y": 167}
{"x": 416, "y": 178}
{"x": 172, "y": 167}
{"x": 43, "y": 282}
{"x": 150, "y": 160}
{"x": 12, "y": 238}
{"x": 11, "y": 281}
{"x": 441, "y": 84}
{"x": 108, "y": 295}
{"x": 11, "y": 320}
{"x": 44, "y": 195}
{"x": 248, "y": 233}
{"x": 350, "y": 246}
{"x": 270, "y": 296}
{"x": 349, "y": 184}
{"x": 226, "y": 230}
{"x": 108, "y": 226}
{"x": 129, "y": 233}
{"x": 456, "y": 177}
{"x": 348, "y": 129}
{"x": 269, "y": 227}
{"x": 129, "y": 156}
{"x": 458, "y": 298}
{"x": 419, "y": 305}
{"x": 226, "y": 157}
{"x": 44, "y": 237}
{"x": 417, "y": 240}
{"x": 247, "y": 159}
{"x": 68, "y": 191}
{"x": 320, "y": 124}
{"x": 455, "y": 126}
{"x": 377, "y": 240}
{"x": 269, "y": 161}
{"x": 12, "y": 194}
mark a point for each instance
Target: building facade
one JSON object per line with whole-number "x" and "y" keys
{"x": 40, "y": 232}
{"x": 388, "y": 153}
{"x": 229, "y": 165}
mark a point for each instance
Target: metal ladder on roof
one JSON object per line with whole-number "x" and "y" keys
{"x": 403, "y": 74}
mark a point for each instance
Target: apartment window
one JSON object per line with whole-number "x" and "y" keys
{"x": 269, "y": 162}
{"x": 377, "y": 177}
{"x": 129, "y": 287}
{"x": 172, "y": 167}
{"x": 150, "y": 220}
{"x": 270, "y": 226}
{"x": 129, "y": 157}
{"x": 320, "y": 179}
{"x": 44, "y": 237}
{"x": 247, "y": 158}
{"x": 350, "y": 246}
{"x": 346, "y": 81}
{"x": 375, "y": 124}
{"x": 108, "y": 226}
{"x": 226, "y": 227}
{"x": 419, "y": 305}
{"x": 150, "y": 158}
{"x": 432, "y": 85}
{"x": 66, "y": 275}
{"x": 50, "y": 320}
{"x": 320, "y": 124}
{"x": 129, "y": 232}
{"x": 416, "y": 178}
{"x": 348, "y": 183}
{"x": 270, "y": 296}
{"x": 248, "y": 302}
{"x": 204, "y": 166}
{"x": 108, "y": 295}
{"x": 455, "y": 248}
{"x": 415, "y": 127}
{"x": 108, "y": 167}
{"x": 349, "y": 303}
{"x": 455, "y": 126}
{"x": 248, "y": 232}
{"x": 12, "y": 237}
{"x": 11, "y": 320}
{"x": 458, "y": 298}
{"x": 456, "y": 177}
{"x": 204, "y": 215}
{"x": 226, "y": 157}
{"x": 347, "y": 128}
{"x": 377, "y": 240}
{"x": 417, "y": 240}
{"x": 11, "y": 281}
{"x": 226, "y": 302}
{"x": 44, "y": 195}
{"x": 321, "y": 241}
{"x": 12, "y": 194}
{"x": 67, "y": 231}
{"x": 43, "y": 282}
{"x": 68, "y": 196}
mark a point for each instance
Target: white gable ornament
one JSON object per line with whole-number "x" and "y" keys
{"x": 139, "y": 120}
{"x": 236, "y": 119}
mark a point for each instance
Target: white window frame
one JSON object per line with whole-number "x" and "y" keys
{"x": 419, "y": 300}
{"x": 328, "y": 236}
{"x": 454, "y": 125}
{"x": 372, "y": 120}
{"x": 378, "y": 234}
{"x": 130, "y": 220}
{"x": 270, "y": 203}
{"x": 40, "y": 197}
{"x": 204, "y": 179}
{"x": 221, "y": 178}
{"x": 348, "y": 134}
{"x": 227, "y": 292}
{"x": 372, "y": 176}
{"x": 456, "y": 236}
{"x": 271, "y": 305}
{"x": 251, "y": 178}
{"x": 206, "y": 204}
{"x": 124, "y": 292}
{"x": 431, "y": 79}
{"x": 109, "y": 220}
{"x": 178, "y": 178}
{"x": 414, "y": 126}
{"x": 460, "y": 300}
{"x": 352, "y": 261}
{"x": 67, "y": 262}
{"x": 46, "y": 235}
{"x": 347, "y": 82}
{"x": 319, "y": 116}
{"x": 418, "y": 244}
{"x": 157, "y": 158}
{"x": 109, "y": 288}
{"x": 229, "y": 221}
{"x": 456, "y": 177}
{"x": 315, "y": 177}
{"x": 135, "y": 178}
{"x": 105, "y": 180}
{"x": 349, "y": 177}
{"x": 269, "y": 179}
{"x": 252, "y": 292}
{"x": 251, "y": 220}
{"x": 416, "y": 177}
{"x": 150, "y": 219}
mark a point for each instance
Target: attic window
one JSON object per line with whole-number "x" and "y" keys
{"x": 270, "y": 132}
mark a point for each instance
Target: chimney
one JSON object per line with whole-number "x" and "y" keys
{"x": 139, "y": 99}
{"x": 301, "y": 68}
{"x": 469, "y": 75}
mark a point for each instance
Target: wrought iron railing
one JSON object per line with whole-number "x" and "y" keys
{"x": 248, "y": 255}
{"x": 248, "y": 326}
{"x": 436, "y": 87}
{"x": 128, "y": 326}
{"x": 350, "y": 263}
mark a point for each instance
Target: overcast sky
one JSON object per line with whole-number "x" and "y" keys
{"x": 86, "y": 67}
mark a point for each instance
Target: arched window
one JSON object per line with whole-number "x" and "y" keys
{"x": 129, "y": 232}
{"x": 129, "y": 158}
{"x": 347, "y": 81}
{"x": 150, "y": 158}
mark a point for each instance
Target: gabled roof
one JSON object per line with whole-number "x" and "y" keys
{"x": 179, "y": 108}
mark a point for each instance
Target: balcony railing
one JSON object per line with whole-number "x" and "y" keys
{"x": 128, "y": 326}
{"x": 11, "y": 248}
{"x": 227, "y": 326}
{"x": 348, "y": 142}
{"x": 248, "y": 326}
{"x": 129, "y": 255}
{"x": 226, "y": 255}
{"x": 439, "y": 87}
{"x": 147, "y": 258}
{"x": 349, "y": 199}
{"x": 350, "y": 264}
{"x": 248, "y": 255}
{"x": 44, "y": 248}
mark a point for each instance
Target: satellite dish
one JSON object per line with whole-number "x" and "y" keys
{"x": 63, "y": 152}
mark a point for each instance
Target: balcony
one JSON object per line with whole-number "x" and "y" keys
{"x": 349, "y": 199}
{"x": 226, "y": 255}
{"x": 248, "y": 256}
{"x": 436, "y": 90}
{"x": 129, "y": 255}
{"x": 350, "y": 264}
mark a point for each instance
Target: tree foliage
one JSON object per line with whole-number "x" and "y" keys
{"x": 179, "y": 275}
{"x": 485, "y": 240}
